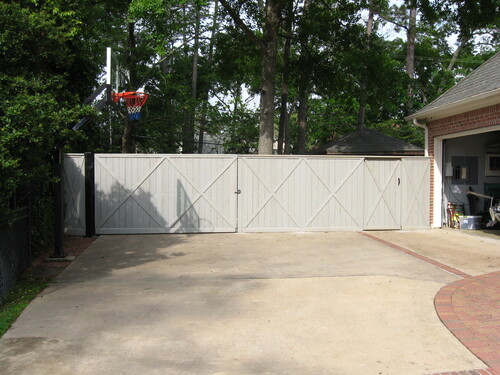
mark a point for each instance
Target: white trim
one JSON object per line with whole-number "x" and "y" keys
{"x": 426, "y": 145}
{"x": 488, "y": 171}
{"x": 470, "y": 132}
{"x": 473, "y": 103}
{"x": 438, "y": 183}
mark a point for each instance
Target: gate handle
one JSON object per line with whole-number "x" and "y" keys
{"x": 237, "y": 191}
{"x": 399, "y": 181}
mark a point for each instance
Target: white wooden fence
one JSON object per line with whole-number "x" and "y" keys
{"x": 227, "y": 193}
{"x": 165, "y": 193}
{"x": 74, "y": 189}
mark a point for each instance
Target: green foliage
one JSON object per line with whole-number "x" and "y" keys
{"x": 402, "y": 130}
{"x": 43, "y": 76}
{"x": 239, "y": 130}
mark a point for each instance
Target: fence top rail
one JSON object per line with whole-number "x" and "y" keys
{"x": 215, "y": 156}
{"x": 206, "y": 156}
{"x": 356, "y": 157}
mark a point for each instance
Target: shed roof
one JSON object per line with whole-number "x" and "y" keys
{"x": 479, "y": 89}
{"x": 368, "y": 142}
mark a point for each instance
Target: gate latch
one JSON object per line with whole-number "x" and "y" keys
{"x": 237, "y": 191}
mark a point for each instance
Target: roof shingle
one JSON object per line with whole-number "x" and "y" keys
{"x": 484, "y": 79}
{"x": 368, "y": 142}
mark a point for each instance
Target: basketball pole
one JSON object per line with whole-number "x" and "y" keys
{"x": 108, "y": 92}
{"x": 57, "y": 171}
{"x": 108, "y": 75}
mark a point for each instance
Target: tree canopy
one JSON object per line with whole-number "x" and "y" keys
{"x": 236, "y": 76}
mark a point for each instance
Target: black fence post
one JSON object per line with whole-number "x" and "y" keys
{"x": 89, "y": 195}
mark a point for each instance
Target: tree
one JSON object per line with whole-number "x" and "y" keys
{"x": 45, "y": 73}
{"x": 284, "y": 119}
{"x": 267, "y": 44}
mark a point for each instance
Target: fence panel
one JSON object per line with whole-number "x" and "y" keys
{"x": 299, "y": 193}
{"x": 165, "y": 193}
{"x": 382, "y": 194}
{"x": 74, "y": 194}
{"x": 415, "y": 193}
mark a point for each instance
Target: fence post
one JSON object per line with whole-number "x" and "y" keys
{"x": 58, "y": 205}
{"x": 89, "y": 195}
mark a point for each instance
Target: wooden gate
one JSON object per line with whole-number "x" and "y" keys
{"x": 415, "y": 196}
{"x": 332, "y": 193}
{"x": 300, "y": 193}
{"x": 165, "y": 193}
{"x": 397, "y": 193}
{"x": 382, "y": 194}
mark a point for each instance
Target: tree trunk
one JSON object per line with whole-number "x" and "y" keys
{"x": 364, "y": 82}
{"x": 268, "y": 73}
{"x": 127, "y": 144}
{"x": 284, "y": 123}
{"x": 303, "y": 94}
{"x": 410, "y": 55}
{"x": 453, "y": 60}
{"x": 268, "y": 46}
{"x": 132, "y": 85}
{"x": 302, "y": 119}
{"x": 455, "y": 56}
{"x": 188, "y": 146}
{"x": 288, "y": 138}
{"x": 203, "y": 120}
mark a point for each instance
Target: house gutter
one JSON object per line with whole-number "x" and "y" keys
{"x": 467, "y": 104}
{"x": 423, "y": 126}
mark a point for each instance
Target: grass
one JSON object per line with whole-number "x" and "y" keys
{"x": 26, "y": 289}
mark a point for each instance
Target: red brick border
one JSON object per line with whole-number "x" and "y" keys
{"x": 469, "y": 372}
{"x": 421, "y": 257}
{"x": 470, "y": 309}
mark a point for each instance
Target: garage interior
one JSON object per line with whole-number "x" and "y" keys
{"x": 471, "y": 164}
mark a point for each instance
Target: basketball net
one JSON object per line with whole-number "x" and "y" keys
{"x": 133, "y": 101}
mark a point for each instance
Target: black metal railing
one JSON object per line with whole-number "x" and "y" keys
{"x": 15, "y": 249}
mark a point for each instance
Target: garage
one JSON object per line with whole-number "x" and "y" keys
{"x": 463, "y": 141}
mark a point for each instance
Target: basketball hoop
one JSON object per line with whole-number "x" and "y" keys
{"x": 133, "y": 101}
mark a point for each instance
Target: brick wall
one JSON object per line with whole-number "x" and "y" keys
{"x": 479, "y": 118}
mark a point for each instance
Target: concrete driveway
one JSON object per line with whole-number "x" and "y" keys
{"x": 281, "y": 303}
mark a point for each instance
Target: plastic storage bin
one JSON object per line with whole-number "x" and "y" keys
{"x": 470, "y": 222}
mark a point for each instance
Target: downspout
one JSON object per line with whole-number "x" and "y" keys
{"x": 426, "y": 153}
{"x": 423, "y": 126}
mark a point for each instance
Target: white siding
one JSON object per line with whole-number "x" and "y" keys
{"x": 74, "y": 194}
